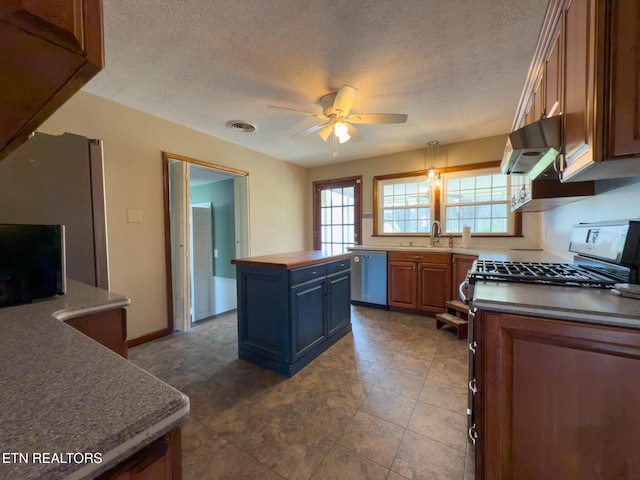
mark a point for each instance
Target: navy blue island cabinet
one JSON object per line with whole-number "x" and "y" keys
{"x": 292, "y": 307}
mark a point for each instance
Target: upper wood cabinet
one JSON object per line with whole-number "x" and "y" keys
{"x": 625, "y": 79}
{"x": 579, "y": 88}
{"x": 49, "y": 50}
{"x": 586, "y": 67}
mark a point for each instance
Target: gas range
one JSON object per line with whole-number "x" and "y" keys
{"x": 606, "y": 253}
{"x": 562, "y": 274}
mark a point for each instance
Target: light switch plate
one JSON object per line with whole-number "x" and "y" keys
{"x": 135, "y": 216}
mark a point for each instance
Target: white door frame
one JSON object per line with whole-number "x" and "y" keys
{"x": 178, "y": 258}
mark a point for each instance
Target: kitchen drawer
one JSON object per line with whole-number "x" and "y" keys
{"x": 306, "y": 274}
{"x": 338, "y": 266}
{"x": 419, "y": 256}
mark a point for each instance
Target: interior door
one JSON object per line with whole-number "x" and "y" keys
{"x": 202, "y": 262}
{"x": 179, "y": 205}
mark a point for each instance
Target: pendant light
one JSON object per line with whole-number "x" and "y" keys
{"x": 432, "y": 173}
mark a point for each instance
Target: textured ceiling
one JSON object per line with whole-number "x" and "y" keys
{"x": 456, "y": 67}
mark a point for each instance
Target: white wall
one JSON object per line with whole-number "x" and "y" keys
{"x": 614, "y": 200}
{"x": 133, "y": 142}
{"x": 462, "y": 153}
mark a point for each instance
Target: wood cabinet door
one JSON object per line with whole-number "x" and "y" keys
{"x": 49, "y": 50}
{"x": 108, "y": 328}
{"x": 339, "y": 301}
{"x": 307, "y": 317}
{"x": 626, "y": 78}
{"x": 434, "y": 286}
{"x": 553, "y": 104}
{"x": 557, "y": 399}
{"x": 160, "y": 460}
{"x": 402, "y": 284}
{"x": 579, "y": 88}
{"x": 538, "y": 97}
{"x": 461, "y": 266}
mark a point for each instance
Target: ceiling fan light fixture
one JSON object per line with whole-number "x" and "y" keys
{"x": 341, "y": 131}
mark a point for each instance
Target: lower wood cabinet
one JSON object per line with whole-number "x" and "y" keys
{"x": 286, "y": 318}
{"x": 419, "y": 281}
{"x": 108, "y": 327}
{"x": 461, "y": 265}
{"x": 555, "y": 399}
{"x": 160, "y": 460}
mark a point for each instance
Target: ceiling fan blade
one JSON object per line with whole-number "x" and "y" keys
{"x": 353, "y": 131}
{"x": 344, "y": 99}
{"x": 299, "y": 112}
{"x": 326, "y": 131}
{"x": 378, "y": 118}
{"x": 314, "y": 129}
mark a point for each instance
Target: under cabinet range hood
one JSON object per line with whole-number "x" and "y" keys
{"x": 532, "y": 149}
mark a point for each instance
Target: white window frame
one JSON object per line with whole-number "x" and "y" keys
{"x": 511, "y": 223}
{"x": 380, "y": 208}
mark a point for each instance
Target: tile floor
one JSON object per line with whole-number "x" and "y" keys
{"x": 387, "y": 401}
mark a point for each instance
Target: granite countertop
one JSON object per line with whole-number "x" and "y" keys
{"x": 63, "y": 393}
{"x": 590, "y": 305}
{"x": 290, "y": 260}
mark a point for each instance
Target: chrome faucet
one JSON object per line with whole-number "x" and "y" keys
{"x": 435, "y": 237}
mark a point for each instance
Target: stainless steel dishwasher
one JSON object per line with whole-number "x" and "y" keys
{"x": 369, "y": 278}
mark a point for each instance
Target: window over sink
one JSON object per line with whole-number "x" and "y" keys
{"x": 477, "y": 199}
{"x": 471, "y": 195}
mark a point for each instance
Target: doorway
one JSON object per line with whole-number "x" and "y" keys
{"x": 337, "y": 214}
{"x": 206, "y": 226}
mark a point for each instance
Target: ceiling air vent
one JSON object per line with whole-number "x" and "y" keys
{"x": 239, "y": 126}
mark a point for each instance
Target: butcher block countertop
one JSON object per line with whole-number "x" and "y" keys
{"x": 290, "y": 260}
{"x": 66, "y": 400}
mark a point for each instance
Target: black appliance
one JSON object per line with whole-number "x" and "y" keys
{"x": 32, "y": 263}
{"x": 607, "y": 255}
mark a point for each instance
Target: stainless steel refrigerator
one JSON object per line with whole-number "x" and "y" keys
{"x": 59, "y": 180}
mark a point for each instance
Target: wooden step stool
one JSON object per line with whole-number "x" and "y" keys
{"x": 456, "y": 317}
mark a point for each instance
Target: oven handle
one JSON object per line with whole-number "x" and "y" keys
{"x": 462, "y": 288}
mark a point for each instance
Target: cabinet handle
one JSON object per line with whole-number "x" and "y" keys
{"x": 416, "y": 257}
{"x": 559, "y": 164}
{"x": 311, "y": 273}
{"x": 473, "y": 434}
{"x": 473, "y": 387}
{"x": 472, "y": 346}
{"x": 341, "y": 265}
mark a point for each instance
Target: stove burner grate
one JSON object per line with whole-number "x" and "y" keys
{"x": 540, "y": 273}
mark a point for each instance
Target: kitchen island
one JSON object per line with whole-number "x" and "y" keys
{"x": 291, "y": 307}
{"x": 70, "y": 407}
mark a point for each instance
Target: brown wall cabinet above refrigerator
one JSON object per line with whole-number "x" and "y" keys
{"x": 49, "y": 50}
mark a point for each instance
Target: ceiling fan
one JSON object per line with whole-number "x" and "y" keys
{"x": 337, "y": 119}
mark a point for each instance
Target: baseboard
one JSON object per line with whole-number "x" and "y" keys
{"x": 148, "y": 337}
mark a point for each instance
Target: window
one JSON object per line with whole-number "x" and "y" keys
{"x": 477, "y": 200}
{"x": 404, "y": 204}
{"x": 336, "y": 215}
